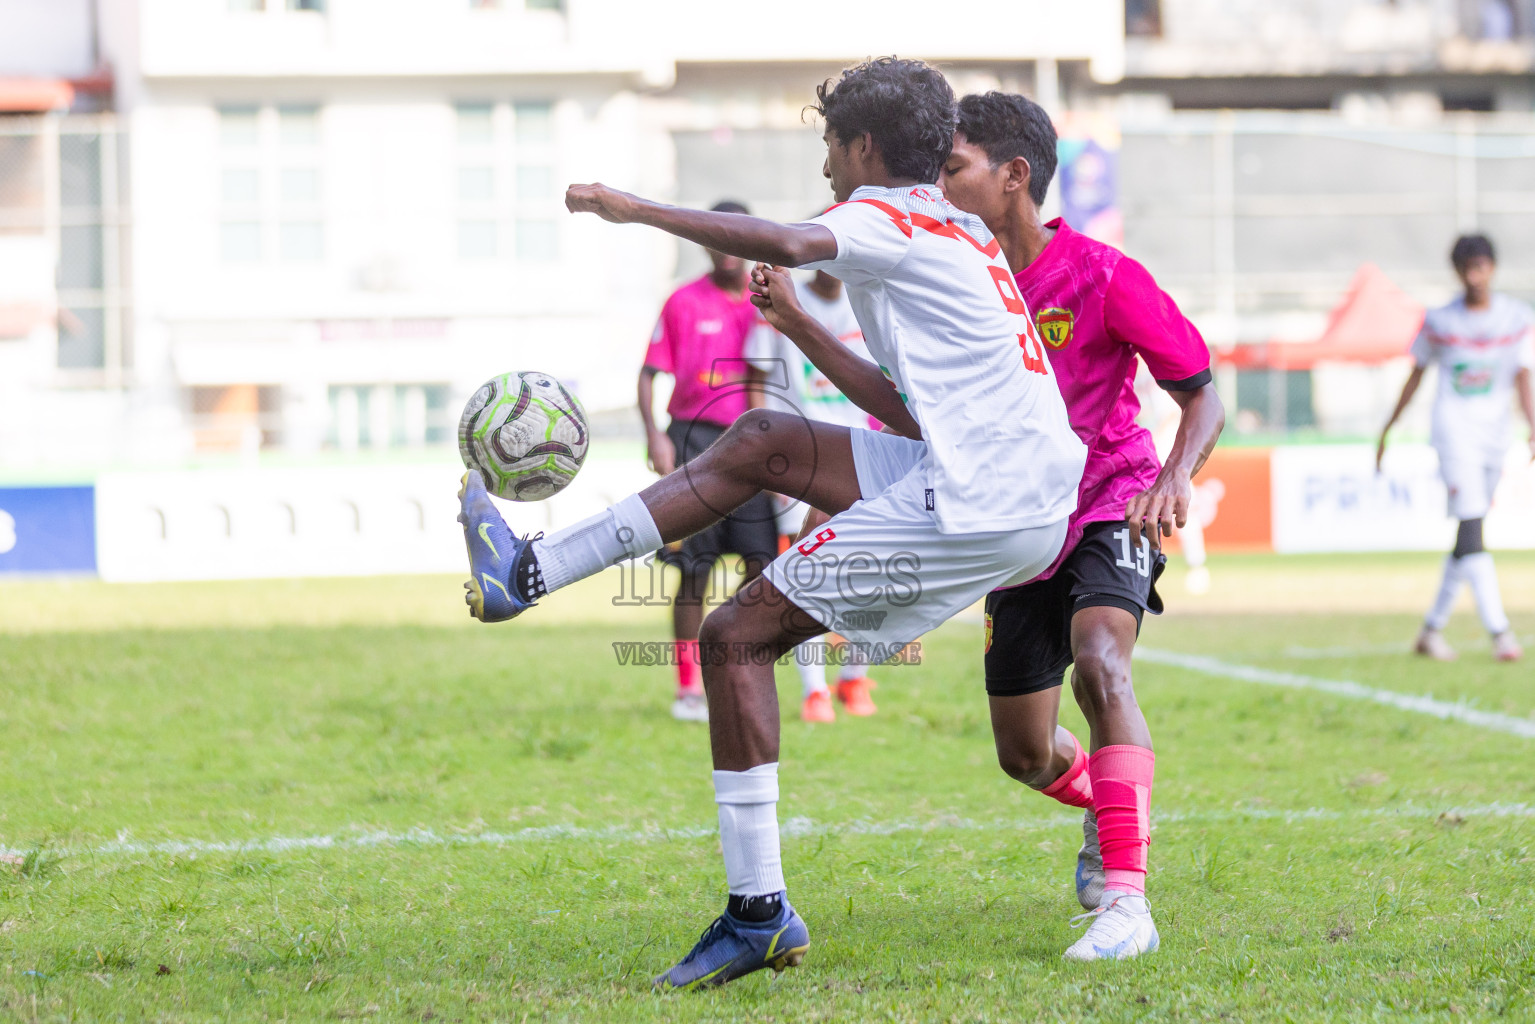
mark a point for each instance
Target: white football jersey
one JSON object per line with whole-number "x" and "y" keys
{"x": 1478, "y": 353}
{"x": 943, "y": 319}
{"x": 794, "y": 383}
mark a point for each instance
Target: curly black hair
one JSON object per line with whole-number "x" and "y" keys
{"x": 1008, "y": 126}
{"x": 906, "y": 106}
{"x": 1470, "y": 247}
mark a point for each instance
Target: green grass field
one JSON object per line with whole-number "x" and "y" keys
{"x": 335, "y": 799}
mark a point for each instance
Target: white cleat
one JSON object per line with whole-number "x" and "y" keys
{"x": 1432, "y": 644}
{"x": 1121, "y": 928}
{"x": 690, "y": 707}
{"x": 1198, "y": 580}
{"x": 1505, "y": 647}
{"x": 1090, "y": 876}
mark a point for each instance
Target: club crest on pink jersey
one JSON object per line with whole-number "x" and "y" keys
{"x": 1055, "y": 326}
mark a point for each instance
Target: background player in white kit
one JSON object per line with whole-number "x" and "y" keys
{"x": 1483, "y": 344}
{"x": 785, "y": 379}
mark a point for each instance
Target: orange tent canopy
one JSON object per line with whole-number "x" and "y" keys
{"x": 35, "y": 95}
{"x": 1375, "y": 323}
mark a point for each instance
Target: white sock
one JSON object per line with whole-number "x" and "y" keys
{"x": 1478, "y": 568}
{"x": 749, "y": 830}
{"x": 809, "y": 659}
{"x": 623, "y": 531}
{"x": 1444, "y": 601}
{"x": 855, "y": 663}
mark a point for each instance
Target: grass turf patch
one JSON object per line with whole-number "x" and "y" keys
{"x": 516, "y": 827}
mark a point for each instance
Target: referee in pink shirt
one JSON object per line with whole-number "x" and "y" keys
{"x": 700, "y": 341}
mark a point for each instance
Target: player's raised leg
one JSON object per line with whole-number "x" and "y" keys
{"x": 764, "y": 450}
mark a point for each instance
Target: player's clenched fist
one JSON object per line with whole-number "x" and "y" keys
{"x": 773, "y": 293}
{"x": 607, "y": 203}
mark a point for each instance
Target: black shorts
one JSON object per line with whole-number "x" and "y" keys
{"x": 1028, "y": 628}
{"x": 750, "y": 531}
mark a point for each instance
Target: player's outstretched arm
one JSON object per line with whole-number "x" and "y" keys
{"x": 1409, "y": 389}
{"x": 734, "y": 234}
{"x": 858, "y": 379}
{"x": 1165, "y": 503}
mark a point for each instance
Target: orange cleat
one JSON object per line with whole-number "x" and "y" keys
{"x": 854, "y": 695}
{"x": 817, "y": 707}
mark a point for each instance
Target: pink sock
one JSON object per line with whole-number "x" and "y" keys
{"x": 1122, "y": 801}
{"x": 1075, "y": 786}
{"x": 688, "y": 679}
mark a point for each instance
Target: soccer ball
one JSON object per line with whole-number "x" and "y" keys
{"x": 525, "y": 434}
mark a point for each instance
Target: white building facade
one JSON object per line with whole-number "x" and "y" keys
{"x": 319, "y": 224}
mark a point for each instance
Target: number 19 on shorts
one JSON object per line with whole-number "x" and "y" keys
{"x": 1138, "y": 559}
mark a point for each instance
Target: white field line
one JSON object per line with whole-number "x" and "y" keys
{"x": 794, "y": 827}
{"x": 1320, "y": 653}
{"x": 1441, "y": 709}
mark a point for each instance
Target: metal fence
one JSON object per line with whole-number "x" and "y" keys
{"x": 1253, "y": 216}
{"x": 63, "y": 190}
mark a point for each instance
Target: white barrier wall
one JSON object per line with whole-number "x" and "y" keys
{"x": 343, "y": 521}
{"x": 1329, "y": 498}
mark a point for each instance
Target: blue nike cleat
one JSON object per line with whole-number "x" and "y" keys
{"x": 493, "y": 555}
{"x": 731, "y": 948}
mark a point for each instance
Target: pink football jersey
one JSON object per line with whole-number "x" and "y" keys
{"x": 1097, "y": 309}
{"x": 700, "y": 340}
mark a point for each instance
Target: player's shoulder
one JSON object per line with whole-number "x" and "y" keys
{"x": 1092, "y": 259}
{"x": 1516, "y": 308}
{"x": 1438, "y": 319}
{"x": 910, "y": 205}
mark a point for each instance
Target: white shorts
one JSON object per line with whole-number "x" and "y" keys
{"x": 881, "y": 573}
{"x": 1471, "y": 477}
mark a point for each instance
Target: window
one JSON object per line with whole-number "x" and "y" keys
{"x": 238, "y": 126}
{"x": 485, "y": 5}
{"x": 242, "y": 186}
{"x": 306, "y": 5}
{"x": 300, "y": 185}
{"x": 270, "y": 185}
{"x": 535, "y": 182}
{"x": 476, "y": 184}
{"x": 298, "y": 126}
{"x": 477, "y": 240}
{"x": 1143, "y": 17}
{"x": 475, "y": 126}
{"x": 240, "y": 241}
{"x": 537, "y": 240}
{"x": 379, "y": 416}
{"x": 246, "y": 5}
{"x": 300, "y": 241}
{"x": 421, "y": 415}
{"x": 300, "y": 233}
{"x": 546, "y": 5}
{"x": 535, "y": 123}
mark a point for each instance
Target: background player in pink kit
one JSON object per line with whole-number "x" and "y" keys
{"x": 1097, "y": 309}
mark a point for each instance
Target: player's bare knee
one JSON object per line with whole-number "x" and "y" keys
{"x": 1029, "y": 764}
{"x": 1100, "y": 679}
{"x": 755, "y": 446}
